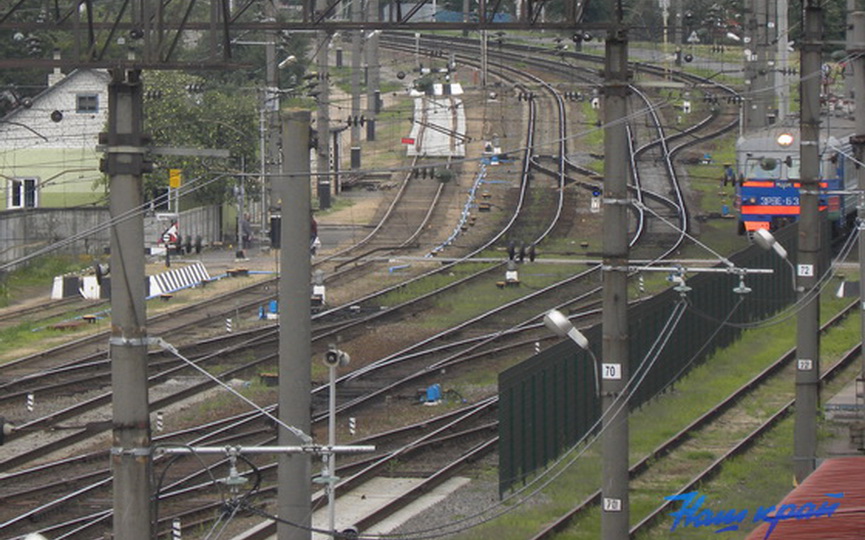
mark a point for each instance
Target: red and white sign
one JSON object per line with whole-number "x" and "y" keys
{"x": 170, "y": 235}
{"x": 407, "y": 140}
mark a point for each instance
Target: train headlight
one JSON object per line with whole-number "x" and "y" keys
{"x": 784, "y": 139}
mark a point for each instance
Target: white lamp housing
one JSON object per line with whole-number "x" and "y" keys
{"x": 556, "y": 321}
{"x": 765, "y": 240}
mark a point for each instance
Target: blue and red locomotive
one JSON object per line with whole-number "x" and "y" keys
{"x": 767, "y": 185}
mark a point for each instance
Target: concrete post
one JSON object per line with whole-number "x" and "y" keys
{"x": 782, "y": 75}
{"x": 856, "y": 48}
{"x": 131, "y": 459}
{"x": 373, "y": 81}
{"x": 810, "y": 231}
{"x": 271, "y": 116}
{"x": 356, "y": 37}
{"x": 322, "y": 121}
{"x": 615, "y": 509}
{"x": 295, "y": 330}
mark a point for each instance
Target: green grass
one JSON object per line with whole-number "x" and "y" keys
{"x": 762, "y": 477}
{"x": 40, "y": 272}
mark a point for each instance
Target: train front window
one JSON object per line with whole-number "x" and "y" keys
{"x": 762, "y": 167}
{"x": 772, "y": 168}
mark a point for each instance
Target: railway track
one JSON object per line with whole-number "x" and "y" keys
{"x": 407, "y": 374}
{"x": 713, "y": 424}
{"x": 469, "y": 432}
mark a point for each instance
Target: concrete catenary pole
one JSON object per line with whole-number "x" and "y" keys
{"x": 765, "y": 94}
{"x": 614, "y": 370}
{"x": 782, "y": 74}
{"x": 810, "y": 231}
{"x": 131, "y": 459}
{"x": 749, "y": 67}
{"x": 322, "y": 122}
{"x": 271, "y": 114}
{"x": 757, "y": 74}
{"x": 292, "y": 189}
{"x": 856, "y": 48}
{"x": 356, "y": 52}
{"x": 373, "y": 95}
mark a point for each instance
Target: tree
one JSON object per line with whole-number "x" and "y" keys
{"x": 183, "y": 110}
{"x": 17, "y": 85}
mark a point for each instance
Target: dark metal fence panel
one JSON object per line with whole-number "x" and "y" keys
{"x": 545, "y": 405}
{"x": 548, "y": 403}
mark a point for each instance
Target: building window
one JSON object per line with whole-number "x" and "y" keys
{"x": 87, "y": 103}
{"x": 23, "y": 193}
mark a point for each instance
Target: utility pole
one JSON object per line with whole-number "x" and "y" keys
{"x": 271, "y": 115}
{"x": 291, "y": 187}
{"x": 131, "y": 459}
{"x": 615, "y": 508}
{"x": 810, "y": 231}
{"x": 373, "y": 95}
{"x": 782, "y": 73}
{"x": 766, "y": 61}
{"x": 756, "y": 65}
{"x": 856, "y": 48}
{"x": 677, "y": 23}
{"x": 749, "y": 69}
{"x": 466, "y": 16}
{"x": 356, "y": 37}
{"x": 322, "y": 122}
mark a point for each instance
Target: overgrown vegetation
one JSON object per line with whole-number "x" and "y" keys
{"x": 40, "y": 272}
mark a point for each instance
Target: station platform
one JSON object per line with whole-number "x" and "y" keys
{"x": 368, "y": 498}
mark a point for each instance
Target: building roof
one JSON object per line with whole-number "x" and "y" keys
{"x": 838, "y": 480}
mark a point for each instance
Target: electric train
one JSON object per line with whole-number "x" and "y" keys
{"x": 768, "y": 173}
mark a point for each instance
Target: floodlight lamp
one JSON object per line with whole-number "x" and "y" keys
{"x": 765, "y": 240}
{"x": 562, "y": 327}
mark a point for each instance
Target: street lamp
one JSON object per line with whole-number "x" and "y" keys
{"x": 560, "y": 325}
{"x": 767, "y": 241}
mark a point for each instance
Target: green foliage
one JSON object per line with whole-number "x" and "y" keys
{"x": 219, "y": 116}
{"x": 15, "y": 85}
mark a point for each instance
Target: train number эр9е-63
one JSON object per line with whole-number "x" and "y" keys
{"x": 767, "y": 185}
